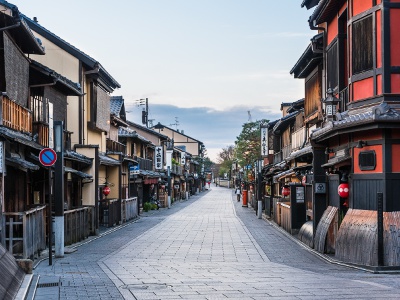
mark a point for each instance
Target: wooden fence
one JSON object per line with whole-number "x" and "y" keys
{"x": 129, "y": 209}
{"x": 25, "y": 232}
{"x": 286, "y": 219}
{"x": 78, "y": 224}
{"x": 110, "y": 212}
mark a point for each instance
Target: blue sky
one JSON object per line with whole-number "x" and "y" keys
{"x": 206, "y": 62}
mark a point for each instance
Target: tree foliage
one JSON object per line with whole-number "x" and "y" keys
{"x": 247, "y": 144}
{"x": 225, "y": 159}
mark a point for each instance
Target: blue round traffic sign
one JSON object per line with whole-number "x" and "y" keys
{"x": 47, "y": 157}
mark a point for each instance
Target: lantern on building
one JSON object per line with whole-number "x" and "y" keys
{"x": 285, "y": 191}
{"x": 106, "y": 190}
{"x": 330, "y": 104}
{"x": 304, "y": 180}
{"x": 343, "y": 190}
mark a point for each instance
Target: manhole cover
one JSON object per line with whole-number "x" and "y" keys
{"x": 146, "y": 286}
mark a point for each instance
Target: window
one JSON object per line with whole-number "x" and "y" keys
{"x": 332, "y": 67}
{"x": 367, "y": 160}
{"x": 362, "y": 42}
{"x": 40, "y": 109}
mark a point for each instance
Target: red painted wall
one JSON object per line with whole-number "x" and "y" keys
{"x": 360, "y": 6}
{"x": 378, "y": 84}
{"x": 395, "y": 80}
{"x": 395, "y": 158}
{"x": 379, "y": 156}
{"x": 395, "y": 37}
{"x": 363, "y": 89}
{"x": 332, "y": 30}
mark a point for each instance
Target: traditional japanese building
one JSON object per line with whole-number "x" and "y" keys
{"x": 353, "y": 66}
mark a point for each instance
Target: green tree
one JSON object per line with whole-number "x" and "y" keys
{"x": 225, "y": 159}
{"x": 248, "y": 143}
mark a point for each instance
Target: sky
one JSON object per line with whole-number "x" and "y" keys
{"x": 207, "y": 65}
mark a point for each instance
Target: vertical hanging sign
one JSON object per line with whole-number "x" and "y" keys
{"x": 51, "y": 132}
{"x": 264, "y": 141}
{"x": 1, "y": 157}
{"x": 159, "y": 158}
{"x": 183, "y": 158}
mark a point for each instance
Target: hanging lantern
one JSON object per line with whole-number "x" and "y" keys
{"x": 285, "y": 191}
{"x": 304, "y": 180}
{"x": 343, "y": 190}
{"x": 106, "y": 190}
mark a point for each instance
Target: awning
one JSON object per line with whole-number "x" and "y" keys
{"x": 283, "y": 174}
{"x": 335, "y": 161}
{"x": 21, "y": 164}
{"x": 299, "y": 153}
{"x": 76, "y": 172}
{"x": 108, "y": 161}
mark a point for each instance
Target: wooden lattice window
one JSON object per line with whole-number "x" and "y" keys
{"x": 362, "y": 42}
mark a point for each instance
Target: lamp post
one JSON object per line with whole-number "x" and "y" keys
{"x": 59, "y": 189}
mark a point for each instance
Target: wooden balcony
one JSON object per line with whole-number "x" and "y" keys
{"x": 144, "y": 164}
{"x": 113, "y": 146}
{"x": 15, "y": 116}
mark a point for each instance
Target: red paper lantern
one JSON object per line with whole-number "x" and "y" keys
{"x": 106, "y": 190}
{"x": 285, "y": 191}
{"x": 304, "y": 180}
{"x": 343, "y": 190}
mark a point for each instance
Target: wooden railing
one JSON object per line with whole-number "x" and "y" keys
{"x": 42, "y": 130}
{"x": 129, "y": 209}
{"x": 178, "y": 170}
{"x": 110, "y": 212}
{"x": 25, "y": 232}
{"x": 114, "y": 146}
{"x": 144, "y": 164}
{"x": 15, "y": 116}
{"x": 78, "y": 224}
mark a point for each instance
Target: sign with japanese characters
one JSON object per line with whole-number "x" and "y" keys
{"x": 183, "y": 158}
{"x": 159, "y": 164}
{"x": 264, "y": 141}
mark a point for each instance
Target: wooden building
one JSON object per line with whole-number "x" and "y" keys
{"x": 353, "y": 66}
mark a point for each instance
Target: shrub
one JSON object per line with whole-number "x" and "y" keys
{"x": 146, "y": 206}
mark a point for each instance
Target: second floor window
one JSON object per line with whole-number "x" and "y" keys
{"x": 362, "y": 44}
{"x": 40, "y": 109}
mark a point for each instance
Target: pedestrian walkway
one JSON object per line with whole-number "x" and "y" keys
{"x": 209, "y": 247}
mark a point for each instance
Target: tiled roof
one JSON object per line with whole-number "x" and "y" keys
{"x": 22, "y": 163}
{"x": 116, "y": 103}
{"x": 127, "y": 132}
{"x": 108, "y": 161}
{"x": 72, "y": 155}
{"x": 19, "y": 137}
{"x": 58, "y": 78}
{"x": 86, "y": 59}
{"x": 373, "y": 114}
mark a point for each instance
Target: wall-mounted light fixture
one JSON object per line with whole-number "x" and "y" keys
{"x": 361, "y": 144}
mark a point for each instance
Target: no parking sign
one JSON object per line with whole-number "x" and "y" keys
{"x": 47, "y": 157}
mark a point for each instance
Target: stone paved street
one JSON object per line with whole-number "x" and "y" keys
{"x": 208, "y": 247}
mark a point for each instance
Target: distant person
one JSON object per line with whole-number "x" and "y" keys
{"x": 237, "y": 192}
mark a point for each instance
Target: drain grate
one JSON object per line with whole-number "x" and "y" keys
{"x": 50, "y": 284}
